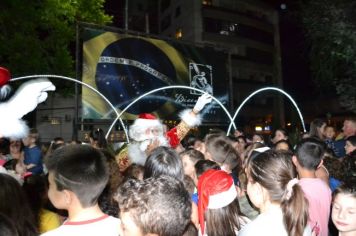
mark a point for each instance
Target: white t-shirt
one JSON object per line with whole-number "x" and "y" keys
{"x": 269, "y": 223}
{"x": 104, "y": 225}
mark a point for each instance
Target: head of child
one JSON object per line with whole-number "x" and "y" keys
{"x": 350, "y": 145}
{"x": 31, "y": 139}
{"x": 164, "y": 161}
{"x": 308, "y": 156}
{"x": 272, "y": 182}
{"x": 220, "y": 150}
{"x": 329, "y": 132}
{"x": 189, "y": 158}
{"x": 218, "y": 206}
{"x": 283, "y": 145}
{"x": 97, "y": 138}
{"x": 159, "y": 206}
{"x": 344, "y": 208}
{"x": 279, "y": 134}
{"x": 77, "y": 176}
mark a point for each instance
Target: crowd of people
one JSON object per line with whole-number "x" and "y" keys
{"x": 167, "y": 183}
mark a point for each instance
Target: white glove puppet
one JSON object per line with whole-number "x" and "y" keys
{"x": 202, "y": 101}
{"x": 25, "y": 100}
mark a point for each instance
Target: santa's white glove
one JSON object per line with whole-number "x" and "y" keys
{"x": 25, "y": 100}
{"x": 202, "y": 101}
{"x": 28, "y": 96}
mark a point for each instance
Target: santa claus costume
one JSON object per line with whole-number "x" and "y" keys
{"x": 147, "y": 129}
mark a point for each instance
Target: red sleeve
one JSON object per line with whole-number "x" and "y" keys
{"x": 173, "y": 137}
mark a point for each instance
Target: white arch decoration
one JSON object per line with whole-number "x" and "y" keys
{"x": 262, "y": 90}
{"x": 82, "y": 83}
{"x": 165, "y": 88}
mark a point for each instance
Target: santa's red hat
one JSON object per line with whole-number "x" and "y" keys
{"x": 143, "y": 122}
{"x": 216, "y": 189}
{"x": 4, "y": 76}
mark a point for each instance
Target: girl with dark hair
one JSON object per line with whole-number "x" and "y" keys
{"x": 279, "y": 134}
{"x": 273, "y": 188}
{"x": 97, "y": 139}
{"x": 316, "y": 130}
{"x": 218, "y": 207}
{"x": 14, "y": 205}
{"x": 164, "y": 161}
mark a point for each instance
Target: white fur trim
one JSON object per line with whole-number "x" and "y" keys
{"x": 147, "y": 123}
{"x": 138, "y": 129}
{"x": 12, "y": 128}
{"x": 191, "y": 120}
{"x": 135, "y": 154}
{"x": 222, "y": 199}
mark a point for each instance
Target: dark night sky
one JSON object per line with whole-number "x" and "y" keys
{"x": 295, "y": 69}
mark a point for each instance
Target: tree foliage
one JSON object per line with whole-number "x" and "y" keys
{"x": 330, "y": 27}
{"x": 38, "y": 36}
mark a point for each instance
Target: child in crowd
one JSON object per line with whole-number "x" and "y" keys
{"x": 14, "y": 204}
{"x": 36, "y": 188}
{"x": 189, "y": 158}
{"x": 218, "y": 207}
{"x": 7, "y": 226}
{"x": 307, "y": 159}
{"x": 258, "y": 138}
{"x": 33, "y": 154}
{"x": 329, "y": 134}
{"x": 218, "y": 148}
{"x": 279, "y": 134}
{"x": 77, "y": 176}
{"x": 349, "y": 161}
{"x": 164, "y": 161}
{"x": 155, "y": 206}
{"x": 344, "y": 208}
{"x": 283, "y": 145}
{"x": 272, "y": 187}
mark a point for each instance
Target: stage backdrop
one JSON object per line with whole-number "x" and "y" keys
{"x": 123, "y": 67}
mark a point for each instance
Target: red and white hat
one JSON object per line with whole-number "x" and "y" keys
{"x": 147, "y": 119}
{"x": 216, "y": 189}
{"x": 4, "y": 76}
{"x": 144, "y": 121}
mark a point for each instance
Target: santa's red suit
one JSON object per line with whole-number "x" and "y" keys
{"x": 147, "y": 128}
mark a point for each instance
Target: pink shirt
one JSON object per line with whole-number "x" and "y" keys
{"x": 319, "y": 197}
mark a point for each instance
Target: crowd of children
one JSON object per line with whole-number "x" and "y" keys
{"x": 218, "y": 185}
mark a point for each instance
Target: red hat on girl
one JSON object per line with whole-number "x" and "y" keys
{"x": 216, "y": 189}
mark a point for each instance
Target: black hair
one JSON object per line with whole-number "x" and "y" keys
{"x": 81, "y": 169}
{"x": 98, "y": 137}
{"x": 164, "y": 161}
{"x": 310, "y": 152}
{"x": 290, "y": 148}
{"x": 352, "y": 140}
{"x": 14, "y": 204}
{"x": 158, "y": 205}
{"x": 4, "y": 146}
{"x": 204, "y": 165}
{"x": 194, "y": 155}
{"x": 7, "y": 226}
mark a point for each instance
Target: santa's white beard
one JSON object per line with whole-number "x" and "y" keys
{"x": 137, "y": 150}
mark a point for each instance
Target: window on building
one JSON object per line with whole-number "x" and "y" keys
{"x": 177, "y": 12}
{"x": 166, "y": 22}
{"x": 179, "y": 33}
{"x": 165, "y": 4}
{"x": 236, "y": 29}
{"x": 139, "y": 7}
{"x": 207, "y": 2}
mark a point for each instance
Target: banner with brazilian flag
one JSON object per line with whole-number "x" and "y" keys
{"x": 124, "y": 66}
